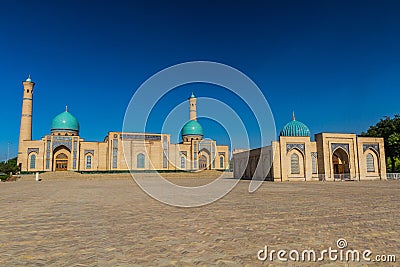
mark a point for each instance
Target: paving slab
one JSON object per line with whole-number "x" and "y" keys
{"x": 112, "y": 222}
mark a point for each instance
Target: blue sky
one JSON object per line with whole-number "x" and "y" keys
{"x": 335, "y": 63}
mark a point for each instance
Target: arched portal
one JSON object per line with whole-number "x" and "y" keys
{"x": 61, "y": 159}
{"x": 203, "y": 162}
{"x": 61, "y": 162}
{"x": 340, "y": 163}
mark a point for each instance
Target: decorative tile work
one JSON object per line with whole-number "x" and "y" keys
{"x": 335, "y": 146}
{"x": 371, "y": 146}
{"x": 62, "y": 138}
{"x": 295, "y": 128}
{"x": 165, "y": 152}
{"x": 213, "y": 154}
{"x": 314, "y": 157}
{"x": 195, "y": 151}
{"x": 30, "y": 150}
{"x": 115, "y": 153}
{"x": 67, "y": 144}
{"x": 205, "y": 145}
{"x": 75, "y": 154}
{"x": 48, "y": 154}
{"x": 149, "y": 137}
{"x": 298, "y": 146}
{"x": 88, "y": 151}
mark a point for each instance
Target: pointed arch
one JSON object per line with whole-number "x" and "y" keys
{"x": 61, "y": 158}
{"x": 140, "y": 161}
{"x": 89, "y": 159}
{"x": 370, "y": 160}
{"x": 294, "y": 164}
{"x": 183, "y": 162}
{"x": 32, "y": 161}
{"x": 221, "y": 162}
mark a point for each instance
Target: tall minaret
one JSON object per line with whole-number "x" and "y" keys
{"x": 192, "y": 107}
{"x": 25, "y": 131}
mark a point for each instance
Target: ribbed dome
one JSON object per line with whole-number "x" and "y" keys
{"x": 65, "y": 121}
{"x": 192, "y": 127}
{"x": 295, "y": 128}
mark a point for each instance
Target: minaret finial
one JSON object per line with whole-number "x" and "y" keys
{"x": 66, "y": 108}
{"x": 293, "y": 116}
{"x": 29, "y": 78}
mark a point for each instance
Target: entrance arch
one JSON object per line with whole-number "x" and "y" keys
{"x": 204, "y": 159}
{"x": 340, "y": 163}
{"x": 203, "y": 162}
{"x": 61, "y": 159}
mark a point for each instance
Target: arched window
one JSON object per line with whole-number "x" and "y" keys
{"x": 370, "y": 163}
{"x": 89, "y": 162}
{"x": 140, "y": 161}
{"x": 294, "y": 164}
{"x": 314, "y": 164}
{"x": 183, "y": 162}
{"x": 221, "y": 162}
{"x": 33, "y": 161}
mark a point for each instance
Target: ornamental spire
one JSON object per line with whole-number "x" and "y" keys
{"x": 66, "y": 108}
{"x": 293, "y": 116}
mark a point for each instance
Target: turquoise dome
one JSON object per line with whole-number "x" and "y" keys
{"x": 295, "y": 128}
{"x": 192, "y": 127}
{"x": 65, "y": 121}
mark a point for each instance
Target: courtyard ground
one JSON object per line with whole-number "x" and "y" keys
{"x": 110, "y": 221}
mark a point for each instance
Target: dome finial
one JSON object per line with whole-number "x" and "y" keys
{"x": 293, "y": 116}
{"x": 29, "y": 78}
{"x": 66, "y": 108}
{"x": 192, "y": 96}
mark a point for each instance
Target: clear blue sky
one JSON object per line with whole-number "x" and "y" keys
{"x": 335, "y": 63}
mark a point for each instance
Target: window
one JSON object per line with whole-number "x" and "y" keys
{"x": 88, "y": 162}
{"x": 370, "y": 163}
{"x": 140, "y": 161}
{"x": 165, "y": 147}
{"x": 221, "y": 162}
{"x": 115, "y": 153}
{"x": 33, "y": 161}
{"x": 294, "y": 164}
{"x": 314, "y": 164}
{"x": 183, "y": 162}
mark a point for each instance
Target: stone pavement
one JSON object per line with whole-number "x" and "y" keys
{"x": 111, "y": 222}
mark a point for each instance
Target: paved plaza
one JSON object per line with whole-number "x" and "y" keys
{"x": 110, "y": 221}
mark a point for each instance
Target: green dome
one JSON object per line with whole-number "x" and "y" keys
{"x": 295, "y": 128}
{"x": 65, "y": 121}
{"x": 192, "y": 127}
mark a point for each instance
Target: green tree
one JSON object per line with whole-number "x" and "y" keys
{"x": 10, "y": 166}
{"x": 389, "y": 129}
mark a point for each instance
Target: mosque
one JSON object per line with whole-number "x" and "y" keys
{"x": 64, "y": 150}
{"x": 332, "y": 156}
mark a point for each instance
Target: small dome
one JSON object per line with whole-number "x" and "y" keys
{"x": 29, "y": 78}
{"x": 192, "y": 127}
{"x": 295, "y": 128}
{"x": 65, "y": 122}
